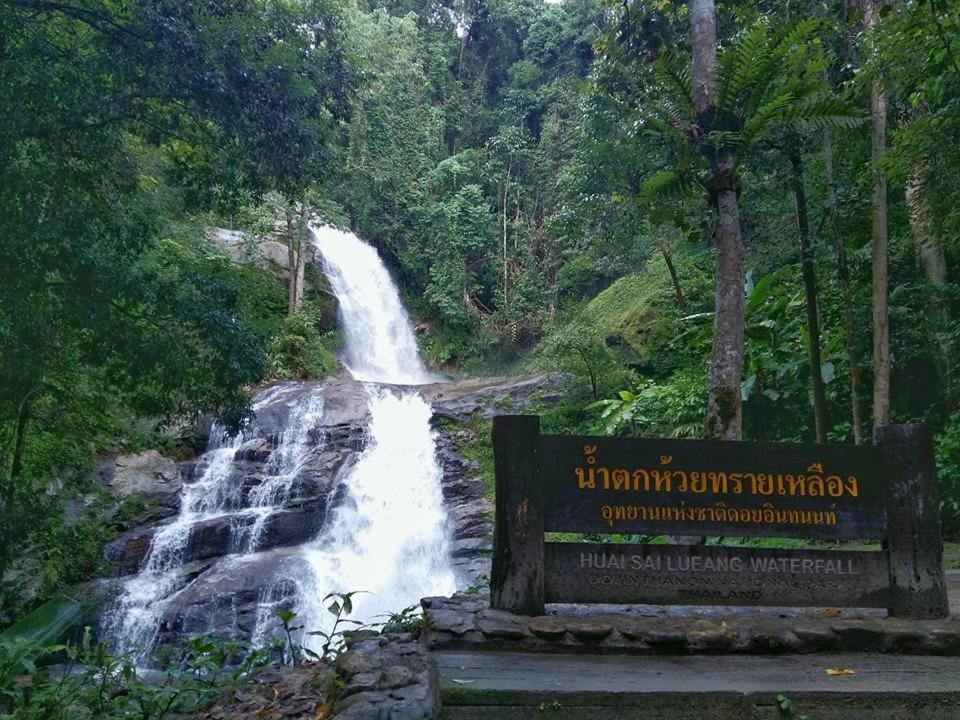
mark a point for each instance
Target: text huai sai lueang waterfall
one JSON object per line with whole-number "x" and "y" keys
{"x": 388, "y": 533}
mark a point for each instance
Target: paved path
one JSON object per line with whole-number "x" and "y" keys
{"x": 535, "y": 686}
{"x": 521, "y": 685}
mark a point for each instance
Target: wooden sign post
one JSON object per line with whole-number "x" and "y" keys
{"x": 614, "y": 485}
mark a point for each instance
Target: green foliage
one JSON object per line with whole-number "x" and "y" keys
{"x": 302, "y": 350}
{"x": 474, "y": 446}
{"x": 117, "y": 317}
{"x": 25, "y": 640}
{"x": 948, "y": 469}
{"x": 408, "y": 620}
{"x": 674, "y": 408}
{"x": 785, "y": 708}
{"x": 334, "y": 642}
{"x": 91, "y": 684}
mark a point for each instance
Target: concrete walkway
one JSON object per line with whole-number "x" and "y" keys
{"x": 510, "y": 686}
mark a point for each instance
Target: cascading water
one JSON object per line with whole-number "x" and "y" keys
{"x": 390, "y": 537}
{"x": 134, "y": 620}
{"x": 380, "y": 346}
{"x": 387, "y": 535}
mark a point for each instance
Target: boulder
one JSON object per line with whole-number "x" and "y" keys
{"x": 496, "y": 396}
{"x": 246, "y": 249}
{"x": 128, "y": 550}
{"x": 257, "y": 450}
{"x": 149, "y": 474}
{"x": 225, "y": 598}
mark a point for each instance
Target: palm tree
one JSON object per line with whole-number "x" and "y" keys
{"x": 766, "y": 80}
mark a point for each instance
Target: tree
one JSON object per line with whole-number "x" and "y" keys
{"x": 110, "y": 297}
{"x": 724, "y": 413}
{"x": 843, "y": 277}
{"x": 810, "y": 291}
{"x": 768, "y": 80}
{"x": 881, "y": 313}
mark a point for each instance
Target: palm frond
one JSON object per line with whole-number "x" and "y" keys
{"x": 738, "y": 64}
{"x": 672, "y": 183}
{"x": 818, "y": 112}
{"x": 718, "y": 139}
{"x": 758, "y": 58}
{"x": 770, "y": 114}
{"x": 673, "y": 74}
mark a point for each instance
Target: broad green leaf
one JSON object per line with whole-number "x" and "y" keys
{"x": 34, "y": 634}
{"x": 46, "y": 624}
{"x": 760, "y": 292}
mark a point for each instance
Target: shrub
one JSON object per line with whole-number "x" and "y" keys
{"x": 302, "y": 350}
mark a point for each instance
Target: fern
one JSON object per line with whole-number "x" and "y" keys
{"x": 767, "y": 116}
{"x": 738, "y": 65}
{"x": 667, "y": 183}
{"x": 673, "y": 71}
{"x": 823, "y": 111}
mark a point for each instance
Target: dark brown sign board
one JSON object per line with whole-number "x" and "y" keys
{"x": 683, "y": 487}
{"x": 615, "y": 485}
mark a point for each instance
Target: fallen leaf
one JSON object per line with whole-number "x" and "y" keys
{"x": 463, "y": 682}
{"x": 828, "y": 612}
{"x": 836, "y": 672}
{"x": 323, "y": 710}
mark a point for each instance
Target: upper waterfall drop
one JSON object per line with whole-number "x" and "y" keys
{"x": 380, "y": 345}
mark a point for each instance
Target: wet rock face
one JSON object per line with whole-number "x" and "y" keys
{"x": 496, "y": 396}
{"x": 149, "y": 474}
{"x": 223, "y": 583}
{"x": 225, "y": 597}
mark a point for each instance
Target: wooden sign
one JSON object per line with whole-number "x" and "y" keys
{"x": 698, "y": 575}
{"x": 608, "y": 485}
{"x": 677, "y": 487}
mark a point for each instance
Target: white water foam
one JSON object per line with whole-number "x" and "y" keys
{"x": 380, "y": 345}
{"x": 390, "y": 538}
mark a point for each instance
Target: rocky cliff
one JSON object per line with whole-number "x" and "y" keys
{"x": 216, "y": 590}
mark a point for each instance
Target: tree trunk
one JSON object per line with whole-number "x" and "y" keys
{"x": 703, "y": 24}
{"x": 881, "y": 317}
{"x": 506, "y": 186}
{"x": 810, "y": 289}
{"x": 674, "y": 278}
{"x": 296, "y": 231}
{"x": 932, "y": 260}
{"x": 724, "y": 411}
{"x": 843, "y": 275}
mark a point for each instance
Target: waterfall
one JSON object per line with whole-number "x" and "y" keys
{"x": 134, "y": 620}
{"x": 390, "y": 538}
{"x": 386, "y": 535}
{"x": 380, "y": 346}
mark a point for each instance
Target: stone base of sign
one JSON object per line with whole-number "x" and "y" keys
{"x": 466, "y": 622}
{"x": 523, "y": 686}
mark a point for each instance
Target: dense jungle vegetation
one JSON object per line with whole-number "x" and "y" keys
{"x": 740, "y": 222}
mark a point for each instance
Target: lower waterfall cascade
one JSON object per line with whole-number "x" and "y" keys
{"x": 379, "y": 527}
